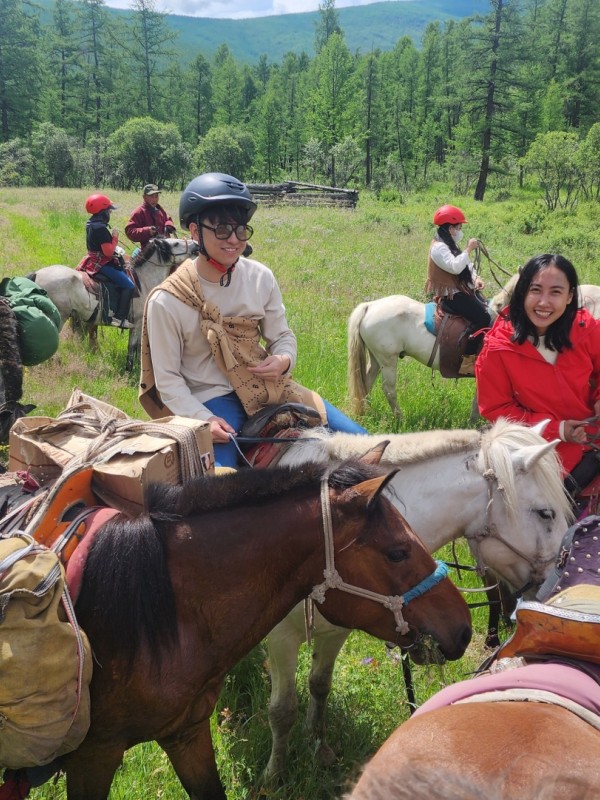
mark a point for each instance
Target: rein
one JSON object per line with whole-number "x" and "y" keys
{"x": 333, "y": 579}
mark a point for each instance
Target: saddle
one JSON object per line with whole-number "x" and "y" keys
{"x": 285, "y": 421}
{"x": 564, "y": 620}
{"x": 451, "y": 335}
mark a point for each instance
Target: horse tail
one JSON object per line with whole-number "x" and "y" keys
{"x": 357, "y": 360}
{"x": 127, "y": 597}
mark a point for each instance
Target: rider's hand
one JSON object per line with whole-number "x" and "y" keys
{"x": 272, "y": 367}
{"x": 574, "y": 431}
{"x": 472, "y": 244}
{"x": 115, "y": 233}
{"x": 169, "y": 230}
{"x": 153, "y": 231}
{"x": 479, "y": 284}
{"x": 220, "y": 429}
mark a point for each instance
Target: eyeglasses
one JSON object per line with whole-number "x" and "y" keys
{"x": 224, "y": 230}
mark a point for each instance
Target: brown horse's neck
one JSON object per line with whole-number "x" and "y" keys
{"x": 255, "y": 580}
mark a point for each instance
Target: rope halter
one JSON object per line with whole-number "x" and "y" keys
{"x": 333, "y": 580}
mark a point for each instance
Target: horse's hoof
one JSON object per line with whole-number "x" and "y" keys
{"x": 325, "y": 755}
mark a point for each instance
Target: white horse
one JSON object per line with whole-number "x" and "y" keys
{"x": 589, "y": 297}
{"x": 379, "y": 333}
{"x": 66, "y": 287}
{"x": 501, "y": 490}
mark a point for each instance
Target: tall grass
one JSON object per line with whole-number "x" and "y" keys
{"x": 326, "y": 261}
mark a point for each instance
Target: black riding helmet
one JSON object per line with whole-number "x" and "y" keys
{"x": 213, "y": 189}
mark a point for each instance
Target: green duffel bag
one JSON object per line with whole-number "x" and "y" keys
{"x": 38, "y": 319}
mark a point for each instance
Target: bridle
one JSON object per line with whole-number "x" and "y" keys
{"x": 489, "y": 530}
{"x": 333, "y": 579}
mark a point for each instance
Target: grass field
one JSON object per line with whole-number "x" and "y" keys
{"x": 326, "y": 261}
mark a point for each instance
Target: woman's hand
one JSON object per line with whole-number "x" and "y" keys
{"x": 272, "y": 367}
{"x": 220, "y": 429}
{"x": 574, "y": 431}
{"x": 472, "y": 244}
{"x": 479, "y": 284}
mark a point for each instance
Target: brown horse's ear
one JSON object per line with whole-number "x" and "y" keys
{"x": 373, "y": 456}
{"x": 371, "y": 488}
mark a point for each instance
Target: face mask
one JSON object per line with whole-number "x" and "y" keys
{"x": 457, "y": 236}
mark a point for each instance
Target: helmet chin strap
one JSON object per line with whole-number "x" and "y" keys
{"x": 224, "y": 270}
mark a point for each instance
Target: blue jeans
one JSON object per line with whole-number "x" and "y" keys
{"x": 117, "y": 276}
{"x": 229, "y": 407}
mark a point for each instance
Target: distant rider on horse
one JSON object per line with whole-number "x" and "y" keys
{"x": 150, "y": 219}
{"x": 451, "y": 276}
{"x": 102, "y": 257}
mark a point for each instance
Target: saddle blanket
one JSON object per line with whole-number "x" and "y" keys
{"x": 547, "y": 682}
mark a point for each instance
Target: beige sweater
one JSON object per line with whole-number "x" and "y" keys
{"x": 190, "y": 362}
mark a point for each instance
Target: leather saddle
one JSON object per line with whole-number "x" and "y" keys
{"x": 451, "y": 332}
{"x": 284, "y": 421}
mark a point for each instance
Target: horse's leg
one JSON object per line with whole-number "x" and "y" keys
{"x": 133, "y": 347}
{"x": 90, "y": 770}
{"x": 92, "y": 330}
{"x": 325, "y": 651}
{"x": 389, "y": 368}
{"x": 193, "y": 758}
{"x": 283, "y": 644}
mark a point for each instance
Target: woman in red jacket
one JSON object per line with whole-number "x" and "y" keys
{"x": 541, "y": 361}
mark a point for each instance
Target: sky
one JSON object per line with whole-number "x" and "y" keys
{"x": 237, "y": 9}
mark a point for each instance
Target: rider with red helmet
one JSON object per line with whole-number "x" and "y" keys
{"x": 451, "y": 276}
{"x": 216, "y": 344}
{"x": 101, "y": 258}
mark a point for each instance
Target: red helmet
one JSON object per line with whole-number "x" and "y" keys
{"x": 98, "y": 202}
{"x": 450, "y": 214}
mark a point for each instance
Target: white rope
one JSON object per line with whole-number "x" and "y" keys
{"x": 333, "y": 580}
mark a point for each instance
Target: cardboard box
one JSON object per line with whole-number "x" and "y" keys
{"x": 121, "y": 474}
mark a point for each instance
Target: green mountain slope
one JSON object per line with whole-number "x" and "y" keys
{"x": 378, "y": 25}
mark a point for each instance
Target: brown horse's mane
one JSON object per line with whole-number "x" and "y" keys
{"x": 127, "y": 597}
{"x": 246, "y": 487}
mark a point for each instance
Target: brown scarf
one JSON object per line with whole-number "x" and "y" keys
{"x": 235, "y": 345}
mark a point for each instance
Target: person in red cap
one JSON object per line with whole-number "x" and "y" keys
{"x": 451, "y": 276}
{"x": 150, "y": 219}
{"x": 103, "y": 257}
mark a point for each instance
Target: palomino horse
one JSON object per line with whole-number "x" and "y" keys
{"x": 174, "y": 599}
{"x": 66, "y": 288}
{"x": 495, "y": 750}
{"x": 379, "y": 333}
{"x": 501, "y": 490}
{"x": 589, "y": 297}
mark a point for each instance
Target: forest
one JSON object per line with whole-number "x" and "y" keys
{"x": 485, "y": 102}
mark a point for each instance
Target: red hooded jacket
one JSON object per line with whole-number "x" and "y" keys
{"x": 514, "y": 381}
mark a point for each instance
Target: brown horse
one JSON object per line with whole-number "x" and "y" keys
{"x": 486, "y": 751}
{"x": 173, "y": 599}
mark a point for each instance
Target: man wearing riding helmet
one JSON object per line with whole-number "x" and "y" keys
{"x": 201, "y": 342}
{"x": 451, "y": 276}
{"x": 101, "y": 245}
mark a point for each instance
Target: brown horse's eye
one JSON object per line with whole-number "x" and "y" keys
{"x": 397, "y": 555}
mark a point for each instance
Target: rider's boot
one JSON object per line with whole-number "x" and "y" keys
{"x": 120, "y": 318}
{"x": 467, "y": 366}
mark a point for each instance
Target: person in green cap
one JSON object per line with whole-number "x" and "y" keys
{"x": 150, "y": 219}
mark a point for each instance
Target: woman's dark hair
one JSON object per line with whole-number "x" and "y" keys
{"x": 445, "y": 236}
{"x": 558, "y": 334}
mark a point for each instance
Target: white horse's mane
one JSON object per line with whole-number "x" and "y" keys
{"x": 496, "y": 443}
